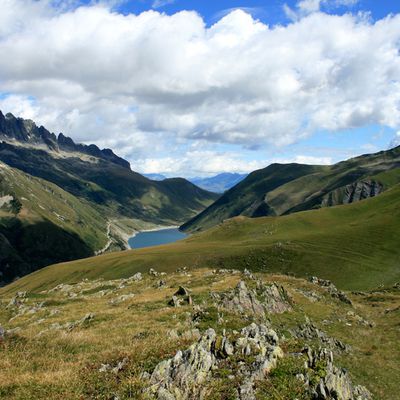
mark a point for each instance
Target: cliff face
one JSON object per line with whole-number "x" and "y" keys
{"x": 25, "y": 131}
{"x": 351, "y": 193}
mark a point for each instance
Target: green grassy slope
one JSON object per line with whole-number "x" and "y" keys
{"x": 247, "y": 197}
{"x": 43, "y": 224}
{"x": 117, "y": 190}
{"x": 283, "y": 189}
{"x": 356, "y": 246}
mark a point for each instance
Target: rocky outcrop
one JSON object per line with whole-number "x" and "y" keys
{"x": 331, "y": 289}
{"x": 351, "y": 193}
{"x": 17, "y": 301}
{"x": 242, "y": 300}
{"x": 263, "y": 299}
{"x": 187, "y": 375}
{"x": 87, "y": 319}
{"x": 359, "y": 320}
{"x": 135, "y": 278}
{"x": 262, "y": 343}
{"x": 184, "y": 375}
{"x": 115, "y": 369}
{"x": 153, "y": 272}
{"x": 121, "y": 299}
{"x": 274, "y": 297}
{"x": 326, "y": 381}
{"x": 309, "y": 331}
{"x": 181, "y": 297}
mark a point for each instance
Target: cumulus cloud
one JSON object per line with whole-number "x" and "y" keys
{"x": 395, "y": 141}
{"x": 142, "y": 82}
{"x": 209, "y": 162}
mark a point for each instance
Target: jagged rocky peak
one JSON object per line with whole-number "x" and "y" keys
{"x": 26, "y": 131}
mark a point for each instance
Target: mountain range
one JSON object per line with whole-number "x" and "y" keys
{"x": 216, "y": 184}
{"x": 219, "y": 183}
{"x": 282, "y": 189}
{"x": 287, "y": 286}
{"x": 79, "y": 190}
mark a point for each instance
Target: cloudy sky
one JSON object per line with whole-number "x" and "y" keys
{"x": 194, "y": 88}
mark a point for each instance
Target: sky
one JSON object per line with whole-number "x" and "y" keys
{"x": 195, "y": 88}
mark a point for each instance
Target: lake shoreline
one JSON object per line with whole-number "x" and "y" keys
{"x": 155, "y": 229}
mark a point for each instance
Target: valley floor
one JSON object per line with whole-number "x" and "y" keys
{"x": 104, "y": 339}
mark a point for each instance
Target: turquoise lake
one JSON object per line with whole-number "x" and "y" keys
{"x": 155, "y": 238}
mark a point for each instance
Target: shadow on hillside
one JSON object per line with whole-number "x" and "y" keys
{"x": 26, "y": 248}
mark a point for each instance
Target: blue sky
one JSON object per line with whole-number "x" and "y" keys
{"x": 269, "y": 11}
{"x": 233, "y": 86}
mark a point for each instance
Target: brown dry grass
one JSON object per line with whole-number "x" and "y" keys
{"x": 40, "y": 363}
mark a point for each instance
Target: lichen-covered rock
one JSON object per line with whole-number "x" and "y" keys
{"x": 262, "y": 343}
{"x": 160, "y": 284}
{"x": 153, "y": 272}
{"x": 121, "y": 299}
{"x": 309, "y": 331}
{"x": 360, "y": 320}
{"x": 116, "y": 368}
{"x": 183, "y": 376}
{"x": 331, "y": 289}
{"x": 334, "y": 383}
{"x": 274, "y": 297}
{"x": 135, "y": 278}
{"x": 242, "y": 300}
{"x": 226, "y": 271}
{"x": 2, "y": 334}
{"x": 265, "y": 298}
{"x": 87, "y": 319}
{"x": 187, "y": 375}
{"x": 310, "y": 295}
{"x": 248, "y": 274}
{"x": 17, "y": 300}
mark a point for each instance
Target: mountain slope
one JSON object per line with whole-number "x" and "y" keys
{"x": 41, "y": 224}
{"x": 355, "y": 246}
{"x": 285, "y": 188}
{"x": 61, "y": 201}
{"x": 98, "y": 176}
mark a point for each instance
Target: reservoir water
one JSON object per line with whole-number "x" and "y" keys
{"x": 155, "y": 238}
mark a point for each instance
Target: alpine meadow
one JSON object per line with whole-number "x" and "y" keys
{"x": 199, "y": 200}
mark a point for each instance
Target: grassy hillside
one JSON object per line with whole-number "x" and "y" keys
{"x": 355, "y": 246}
{"x": 41, "y": 224}
{"x": 62, "y": 201}
{"x": 119, "y": 191}
{"x": 285, "y": 188}
{"x": 52, "y": 351}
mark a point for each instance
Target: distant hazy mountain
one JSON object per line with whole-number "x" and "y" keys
{"x": 281, "y": 189}
{"x": 218, "y": 183}
{"x": 155, "y": 177}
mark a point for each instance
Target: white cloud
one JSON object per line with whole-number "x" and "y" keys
{"x": 209, "y": 162}
{"x": 305, "y": 7}
{"x": 144, "y": 83}
{"x": 395, "y": 141}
